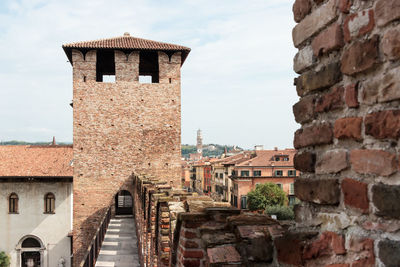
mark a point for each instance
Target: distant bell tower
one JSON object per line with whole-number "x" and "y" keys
{"x": 199, "y": 144}
{"x": 126, "y": 120}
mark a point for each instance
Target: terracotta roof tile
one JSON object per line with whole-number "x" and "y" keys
{"x": 48, "y": 161}
{"x": 127, "y": 42}
{"x": 265, "y": 158}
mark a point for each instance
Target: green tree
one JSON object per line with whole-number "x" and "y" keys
{"x": 268, "y": 194}
{"x": 4, "y": 259}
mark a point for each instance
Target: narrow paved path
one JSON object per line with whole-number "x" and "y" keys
{"x": 119, "y": 247}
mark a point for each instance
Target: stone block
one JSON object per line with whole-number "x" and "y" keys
{"x": 303, "y": 59}
{"x": 332, "y": 161}
{"x": 330, "y": 101}
{"x": 304, "y": 109}
{"x": 391, "y": 44}
{"x": 387, "y": 11}
{"x": 324, "y": 191}
{"x": 304, "y": 162}
{"x": 377, "y": 162}
{"x": 301, "y": 8}
{"x": 351, "y": 95}
{"x": 389, "y": 252}
{"x": 386, "y": 199}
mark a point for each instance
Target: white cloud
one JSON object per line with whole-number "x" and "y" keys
{"x": 237, "y": 81}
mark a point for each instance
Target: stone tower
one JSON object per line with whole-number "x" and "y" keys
{"x": 199, "y": 144}
{"x": 123, "y": 126}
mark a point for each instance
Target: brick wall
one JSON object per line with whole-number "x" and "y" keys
{"x": 120, "y": 128}
{"x": 348, "y": 150}
{"x": 177, "y": 228}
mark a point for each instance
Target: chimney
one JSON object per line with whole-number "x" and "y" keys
{"x": 258, "y": 147}
{"x": 54, "y": 141}
{"x": 276, "y": 148}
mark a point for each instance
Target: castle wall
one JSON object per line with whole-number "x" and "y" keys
{"x": 348, "y": 150}
{"x": 121, "y": 128}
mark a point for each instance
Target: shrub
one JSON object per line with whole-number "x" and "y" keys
{"x": 4, "y": 259}
{"x": 268, "y": 194}
{"x": 281, "y": 212}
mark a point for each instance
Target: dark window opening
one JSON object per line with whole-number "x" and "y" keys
{"x": 30, "y": 243}
{"x": 291, "y": 173}
{"x": 49, "y": 203}
{"x": 243, "y": 202}
{"x": 245, "y": 173}
{"x": 257, "y": 173}
{"x": 148, "y": 66}
{"x": 278, "y": 173}
{"x": 13, "y": 203}
{"x": 170, "y": 80}
{"x": 105, "y": 66}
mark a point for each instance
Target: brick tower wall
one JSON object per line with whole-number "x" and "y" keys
{"x": 121, "y": 128}
{"x": 348, "y": 144}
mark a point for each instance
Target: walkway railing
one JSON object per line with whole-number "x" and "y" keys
{"x": 93, "y": 251}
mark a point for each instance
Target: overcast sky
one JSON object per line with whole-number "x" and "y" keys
{"x": 237, "y": 82}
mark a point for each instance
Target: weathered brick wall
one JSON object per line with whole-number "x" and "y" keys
{"x": 349, "y": 88}
{"x": 120, "y": 128}
{"x": 177, "y": 228}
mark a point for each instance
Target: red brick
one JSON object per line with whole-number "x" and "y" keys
{"x": 188, "y": 224}
{"x": 304, "y": 109}
{"x": 324, "y": 191}
{"x": 317, "y": 80}
{"x": 304, "y": 162}
{"x": 351, "y": 95}
{"x": 358, "y": 24}
{"x": 226, "y": 254}
{"x": 313, "y": 135}
{"x": 348, "y": 128}
{"x": 329, "y": 243}
{"x": 189, "y": 244}
{"x": 383, "y": 124}
{"x": 387, "y": 11}
{"x": 328, "y": 40}
{"x": 377, "y": 162}
{"x": 189, "y": 235}
{"x": 338, "y": 265}
{"x": 355, "y": 194}
{"x": 191, "y": 263}
{"x": 360, "y": 56}
{"x": 332, "y": 161}
{"x": 314, "y": 22}
{"x": 290, "y": 247}
{"x": 330, "y": 101}
{"x": 198, "y": 254}
{"x": 391, "y": 44}
{"x": 301, "y": 8}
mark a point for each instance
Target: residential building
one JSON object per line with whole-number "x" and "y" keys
{"x": 274, "y": 166}
{"x": 36, "y": 205}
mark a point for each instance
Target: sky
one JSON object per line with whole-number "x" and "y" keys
{"x": 237, "y": 82}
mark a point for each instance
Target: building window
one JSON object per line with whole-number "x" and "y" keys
{"x": 278, "y": 173}
{"x": 285, "y": 159}
{"x": 291, "y": 173}
{"x": 291, "y": 191}
{"x": 221, "y": 175}
{"x": 257, "y": 173}
{"x": 235, "y": 201}
{"x": 243, "y": 202}
{"x": 49, "y": 203}
{"x": 13, "y": 203}
{"x": 280, "y": 186}
{"x": 292, "y": 200}
{"x": 245, "y": 173}
{"x": 277, "y": 158}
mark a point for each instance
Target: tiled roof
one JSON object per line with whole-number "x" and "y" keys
{"x": 126, "y": 42}
{"x": 266, "y": 158}
{"x": 36, "y": 161}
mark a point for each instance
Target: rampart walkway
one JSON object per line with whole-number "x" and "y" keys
{"x": 119, "y": 247}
